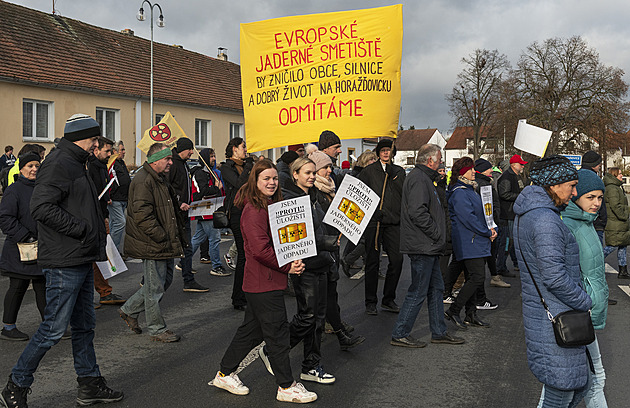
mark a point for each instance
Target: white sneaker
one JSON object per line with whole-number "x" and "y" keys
{"x": 318, "y": 375}
{"x": 230, "y": 383}
{"x": 295, "y": 393}
{"x": 265, "y": 359}
{"x": 487, "y": 305}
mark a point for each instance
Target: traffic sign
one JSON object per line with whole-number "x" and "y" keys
{"x": 576, "y": 159}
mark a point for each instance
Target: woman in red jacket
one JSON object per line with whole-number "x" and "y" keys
{"x": 263, "y": 283}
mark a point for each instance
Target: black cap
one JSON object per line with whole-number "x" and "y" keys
{"x": 591, "y": 159}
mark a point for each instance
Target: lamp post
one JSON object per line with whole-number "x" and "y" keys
{"x": 160, "y": 23}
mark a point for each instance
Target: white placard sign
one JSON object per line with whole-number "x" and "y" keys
{"x": 114, "y": 264}
{"x": 351, "y": 209}
{"x": 291, "y": 223}
{"x": 488, "y": 209}
{"x": 205, "y": 207}
{"x": 531, "y": 139}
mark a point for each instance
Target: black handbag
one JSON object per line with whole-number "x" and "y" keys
{"x": 572, "y": 328}
{"x": 220, "y": 218}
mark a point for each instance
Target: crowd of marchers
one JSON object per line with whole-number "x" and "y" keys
{"x": 453, "y": 227}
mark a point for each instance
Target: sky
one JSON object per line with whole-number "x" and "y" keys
{"x": 437, "y": 33}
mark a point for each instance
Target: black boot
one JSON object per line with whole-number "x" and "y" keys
{"x": 472, "y": 320}
{"x": 623, "y": 272}
{"x": 13, "y": 396}
{"x": 347, "y": 341}
{"x": 94, "y": 390}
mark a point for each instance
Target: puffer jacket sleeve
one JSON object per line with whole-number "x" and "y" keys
{"x": 259, "y": 239}
{"x": 548, "y": 244}
{"x": 50, "y": 190}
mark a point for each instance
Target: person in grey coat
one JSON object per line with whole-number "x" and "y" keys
{"x": 422, "y": 238}
{"x": 545, "y": 246}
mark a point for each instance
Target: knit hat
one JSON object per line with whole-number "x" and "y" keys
{"x": 288, "y": 157}
{"x": 296, "y": 147}
{"x": 442, "y": 165}
{"x": 205, "y": 155}
{"x": 517, "y": 159}
{"x": 345, "y": 164}
{"x": 587, "y": 182}
{"x": 328, "y": 138}
{"x": 184, "y": 143}
{"x": 591, "y": 159}
{"x": 27, "y": 158}
{"x": 552, "y": 170}
{"x": 482, "y": 165}
{"x": 320, "y": 159}
{"x": 80, "y": 126}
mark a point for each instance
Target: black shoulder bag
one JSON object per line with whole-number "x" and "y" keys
{"x": 571, "y": 328}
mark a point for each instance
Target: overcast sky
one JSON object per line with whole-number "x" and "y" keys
{"x": 437, "y": 34}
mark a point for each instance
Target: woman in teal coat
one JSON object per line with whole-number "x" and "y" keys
{"x": 579, "y": 216}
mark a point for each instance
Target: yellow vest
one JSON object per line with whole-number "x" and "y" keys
{"x": 15, "y": 170}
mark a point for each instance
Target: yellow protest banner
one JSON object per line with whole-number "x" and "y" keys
{"x": 338, "y": 71}
{"x": 167, "y": 131}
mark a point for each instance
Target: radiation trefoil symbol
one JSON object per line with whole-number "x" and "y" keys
{"x": 160, "y": 132}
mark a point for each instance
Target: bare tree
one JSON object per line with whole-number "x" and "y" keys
{"x": 473, "y": 101}
{"x": 565, "y": 88}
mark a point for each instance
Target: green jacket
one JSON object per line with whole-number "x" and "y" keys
{"x": 617, "y": 228}
{"x": 152, "y": 230}
{"x": 591, "y": 260}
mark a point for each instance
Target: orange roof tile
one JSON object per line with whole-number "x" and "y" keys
{"x": 412, "y": 139}
{"x": 53, "y": 51}
{"x": 459, "y": 137}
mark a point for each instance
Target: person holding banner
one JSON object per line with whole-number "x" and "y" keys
{"x": 263, "y": 284}
{"x": 71, "y": 236}
{"x": 155, "y": 234}
{"x": 179, "y": 178}
{"x": 235, "y": 171}
{"x": 386, "y": 179}
{"x": 471, "y": 240}
{"x": 330, "y": 144}
{"x": 119, "y": 194}
{"x": 206, "y": 185}
{"x": 97, "y": 170}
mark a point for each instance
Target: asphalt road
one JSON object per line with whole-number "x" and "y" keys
{"x": 490, "y": 370}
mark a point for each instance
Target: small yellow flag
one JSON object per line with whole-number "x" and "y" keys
{"x": 167, "y": 132}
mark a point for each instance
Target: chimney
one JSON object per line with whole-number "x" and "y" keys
{"x": 127, "y": 31}
{"x": 222, "y": 54}
{"x": 181, "y": 47}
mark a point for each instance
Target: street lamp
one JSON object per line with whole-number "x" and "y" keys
{"x": 160, "y": 23}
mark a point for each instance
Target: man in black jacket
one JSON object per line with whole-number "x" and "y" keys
{"x": 118, "y": 196}
{"x": 180, "y": 180}
{"x": 509, "y": 187}
{"x": 423, "y": 238}
{"x": 386, "y": 179}
{"x": 71, "y": 235}
{"x": 97, "y": 170}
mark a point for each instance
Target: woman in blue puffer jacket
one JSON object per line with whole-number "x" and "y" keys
{"x": 579, "y": 216}
{"x": 545, "y": 246}
{"x": 471, "y": 239}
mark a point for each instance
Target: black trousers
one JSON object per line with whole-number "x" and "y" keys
{"x": 265, "y": 319}
{"x": 333, "y": 312}
{"x": 15, "y": 294}
{"x": 389, "y": 239}
{"x": 238, "y": 296}
{"x": 308, "y": 323}
{"x": 468, "y": 293}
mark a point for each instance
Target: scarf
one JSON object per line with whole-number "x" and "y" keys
{"x": 468, "y": 182}
{"x": 326, "y": 186}
{"x": 238, "y": 164}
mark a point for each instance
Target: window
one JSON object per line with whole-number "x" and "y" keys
{"x": 236, "y": 130}
{"x": 411, "y": 160}
{"x": 351, "y": 151}
{"x": 37, "y": 120}
{"x": 203, "y": 133}
{"x": 158, "y": 118}
{"x": 271, "y": 154}
{"x": 108, "y": 120}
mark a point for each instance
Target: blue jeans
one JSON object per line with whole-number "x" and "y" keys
{"x": 555, "y": 398}
{"x": 205, "y": 229}
{"x": 426, "y": 283}
{"x": 595, "y": 397}
{"x": 69, "y": 299}
{"x": 117, "y": 222}
{"x": 158, "y": 276}
{"x": 621, "y": 254}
